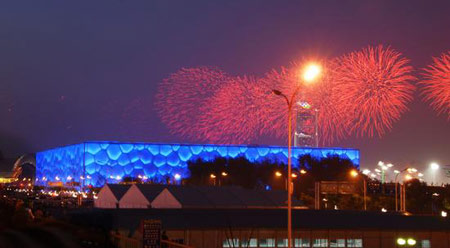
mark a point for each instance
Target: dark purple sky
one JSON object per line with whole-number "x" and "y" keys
{"x": 72, "y": 71}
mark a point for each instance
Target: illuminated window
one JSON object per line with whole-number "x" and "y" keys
{"x": 337, "y": 242}
{"x": 282, "y": 243}
{"x": 354, "y": 243}
{"x": 231, "y": 243}
{"x": 425, "y": 244}
{"x": 249, "y": 243}
{"x": 320, "y": 243}
{"x": 302, "y": 243}
{"x": 266, "y": 242}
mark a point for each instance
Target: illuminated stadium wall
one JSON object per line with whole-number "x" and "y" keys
{"x": 97, "y": 163}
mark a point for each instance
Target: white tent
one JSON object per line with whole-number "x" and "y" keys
{"x": 165, "y": 199}
{"x": 140, "y": 196}
{"x": 110, "y": 195}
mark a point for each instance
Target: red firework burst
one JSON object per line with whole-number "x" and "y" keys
{"x": 374, "y": 86}
{"x": 232, "y": 115}
{"x": 325, "y": 99}
{"x": 322, "y": 96}
{"x": 182, "y": 93}
{"x": 274, "y": 110}
{"x": 436, "y": 86}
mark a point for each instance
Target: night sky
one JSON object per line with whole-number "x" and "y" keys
{"x": 73, "y": 71}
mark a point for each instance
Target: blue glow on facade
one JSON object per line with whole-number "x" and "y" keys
{"x": 97, "y": 163}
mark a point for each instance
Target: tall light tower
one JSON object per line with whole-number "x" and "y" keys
{"x": 306, "y": 133}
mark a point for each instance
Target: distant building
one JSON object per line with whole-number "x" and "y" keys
{"x": 21, "y": 170}
{"x": 98, "y": 163}
{"x": 206, "y": 228}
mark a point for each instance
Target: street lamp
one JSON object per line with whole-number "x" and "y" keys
{"x": 434, "y": 168}
{"x": 354, "y": 173}
{"x": 310, "y": 73}
{"x": 397, "y": 172}
{"x": 213, "y": 178}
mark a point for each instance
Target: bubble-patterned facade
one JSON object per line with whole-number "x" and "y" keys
{"x": 97, "y": 163}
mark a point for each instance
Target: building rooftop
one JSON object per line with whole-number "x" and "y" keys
{"x": 130, "y": 219}
{"x": 118, "y": 190}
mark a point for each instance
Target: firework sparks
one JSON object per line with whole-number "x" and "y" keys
{"x": 374, "y": 86}
{"x": 232, "y": 115}
{"x": 331, "y": 118}
{"x": 275, "y": 111}
{"x": 182, "y": 93}
{"x": 436, "y": 86}
{"x": 321, "y": 96}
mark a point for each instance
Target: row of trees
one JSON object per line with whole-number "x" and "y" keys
{"x": 259, "y": 175}
{"x": 421, "y": 198}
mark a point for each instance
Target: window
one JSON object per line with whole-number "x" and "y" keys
{"x": 354, "y": 243}
{"x": 301, "y": 243}
{"x": 282, "y": 242}
{"x": 337, "y": 242}
{"x": 267, "y": 243}
{"x": 249, "y": 243}
{"x": 425, "y": 244}
{"x": 320, "y": 243}
{"x": 230, "y": 243}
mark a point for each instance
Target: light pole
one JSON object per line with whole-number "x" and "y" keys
{"x": 403, "y": 191}
{"x": 355, "y": 173}
{"x": 434, "y": 168}
{"x": 310, "y": 73}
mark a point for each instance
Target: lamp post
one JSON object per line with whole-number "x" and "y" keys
{"x": 355, "y": 173}
{"x": 310, "y": 73}
{"x": 434, "y": 168}
{"x": 293, "y": 175}
{"x": 403, "y": 190}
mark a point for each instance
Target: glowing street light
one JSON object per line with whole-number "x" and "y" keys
{"x": 294, "y": 175}
{"x": 401, "y": 241}
{"x": 434, "y": 166}
{"x": 213, "y": 178}
{"x": 303, "y": 171}
{"x": 310, "y": 74}
{"x": 411, "y": 242}
{"x": 408, "y": 177}
{"x": 355, "y": 173}
{"x": 278, "y": 174}
{"x": 224, "y": 174}
{"x": 177, "y": 176}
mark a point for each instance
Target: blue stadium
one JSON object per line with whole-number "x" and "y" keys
{"x": 97, "y": 163}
